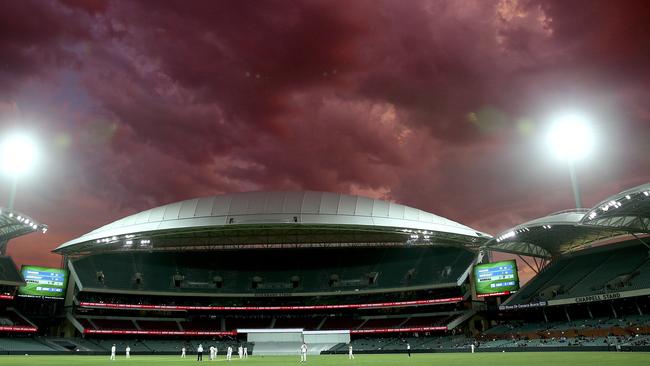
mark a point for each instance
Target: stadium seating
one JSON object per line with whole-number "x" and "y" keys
{"x": 8, "y": 271}
{"x": 74, "y": 344}
{"x": 119, "y": 324}
{"x": 426, "y": 321}
{"x": 10, "y": 317}
{"x": 620, "y": 267}
{"x": 391, "y": 344}
{"x": 310, "y": 323}
{"x": 406, "y": 321}
{"x": 341, "y": 322}
{"x": 317, "y": 321}
{"x": 602, "y": 323}
{"x": 283, "y": 271}
{"x": 520, "y": 335}
{"x": 120, "y": 344}
{"x": 248, "y": 322}
{"x": 23, "y": 345}
{"x": 382, "y": 323}
{"x": 174, "y": 346}
{"x": 203, "y": 324}
{"x": 451, "y": 295}
{"x": 163, "y": 345}
{"x": 157, "y": 325}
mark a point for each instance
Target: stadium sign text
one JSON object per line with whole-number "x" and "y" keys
{"x": 523, "y": 306}
{"x": 600, "y": 297}
{"x": 603, "y": 297}
{"x": 398, "y": 330}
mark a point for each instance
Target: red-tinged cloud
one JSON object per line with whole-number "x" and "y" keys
{"x": 436, "y": 104}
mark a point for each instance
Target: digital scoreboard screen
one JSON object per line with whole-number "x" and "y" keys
{"x": 494, "y": 279}
{"x": 44, "y": 282}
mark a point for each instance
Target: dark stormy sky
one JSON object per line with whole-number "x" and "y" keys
{"x": 441, "y": 105}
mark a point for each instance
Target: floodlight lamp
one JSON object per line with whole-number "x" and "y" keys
{"x": 17, "y": 154}
{"x": 570, "y": 137}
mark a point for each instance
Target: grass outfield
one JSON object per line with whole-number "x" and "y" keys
{"x": 452, "y": 359}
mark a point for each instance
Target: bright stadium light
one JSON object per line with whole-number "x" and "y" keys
{"x": 571, "y": 139}
{"x": 18, "y": 153}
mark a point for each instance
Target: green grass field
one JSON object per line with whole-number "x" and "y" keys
{"x": 451, "y": 359}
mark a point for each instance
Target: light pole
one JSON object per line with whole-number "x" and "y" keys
{"x": 12, "y": 192}
{"x": 574, "y": 184}
{"x": 18, "y": 154}
{"x": 571, "y": 139}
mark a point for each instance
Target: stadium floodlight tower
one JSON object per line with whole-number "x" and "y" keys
{"x": 571, "y": 139}
{"x": 18, "y": 154}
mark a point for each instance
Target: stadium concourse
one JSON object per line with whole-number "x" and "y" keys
{"x": 270, "y": 271}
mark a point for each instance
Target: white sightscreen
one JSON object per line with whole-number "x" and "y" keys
{"x": 326, "y": 337}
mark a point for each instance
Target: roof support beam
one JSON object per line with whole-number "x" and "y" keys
{"x": 535, "y": 269}
{"x": 641, "y": 240}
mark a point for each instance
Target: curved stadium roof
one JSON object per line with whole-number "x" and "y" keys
{"x": 14, "y": 224}
{"x": 550, "y": 236}
{"x": 267, "y": 218}
{"x": 626, "y": 213}
{"x": 628, "y": 210}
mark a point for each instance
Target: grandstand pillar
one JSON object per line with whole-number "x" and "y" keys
{"x": 591, "y": 316}
{"x": 642, "y": 242}
{"x": 611, "y": 306}
{"x": 566, "y": 312}
{"x": 68, "y": 301}
{"x": 544, "y": 313}
{"x": 638, "y": 308}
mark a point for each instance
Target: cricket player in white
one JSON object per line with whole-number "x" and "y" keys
{"x": 245, "y": 352}
{"x": 128, "y": 351}
{"x": 113, "y": 353}
{"x": 183, "y": 352}
{"x": 472, "y": 347}
{"x": 229, "y": 353}
{"x": 216, "y": 350}
{"x": 211, "y": 353}
{"x": 303, "y": 353}
{"x": 350, "y": 354}
{"x": 240, "y": 352}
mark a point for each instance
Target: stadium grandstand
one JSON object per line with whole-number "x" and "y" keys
{"x": 270, "y": 270}
{"x": 12, "y": 225}
{"x": 589, "y": 255}
{"x": 283, "y": 263}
